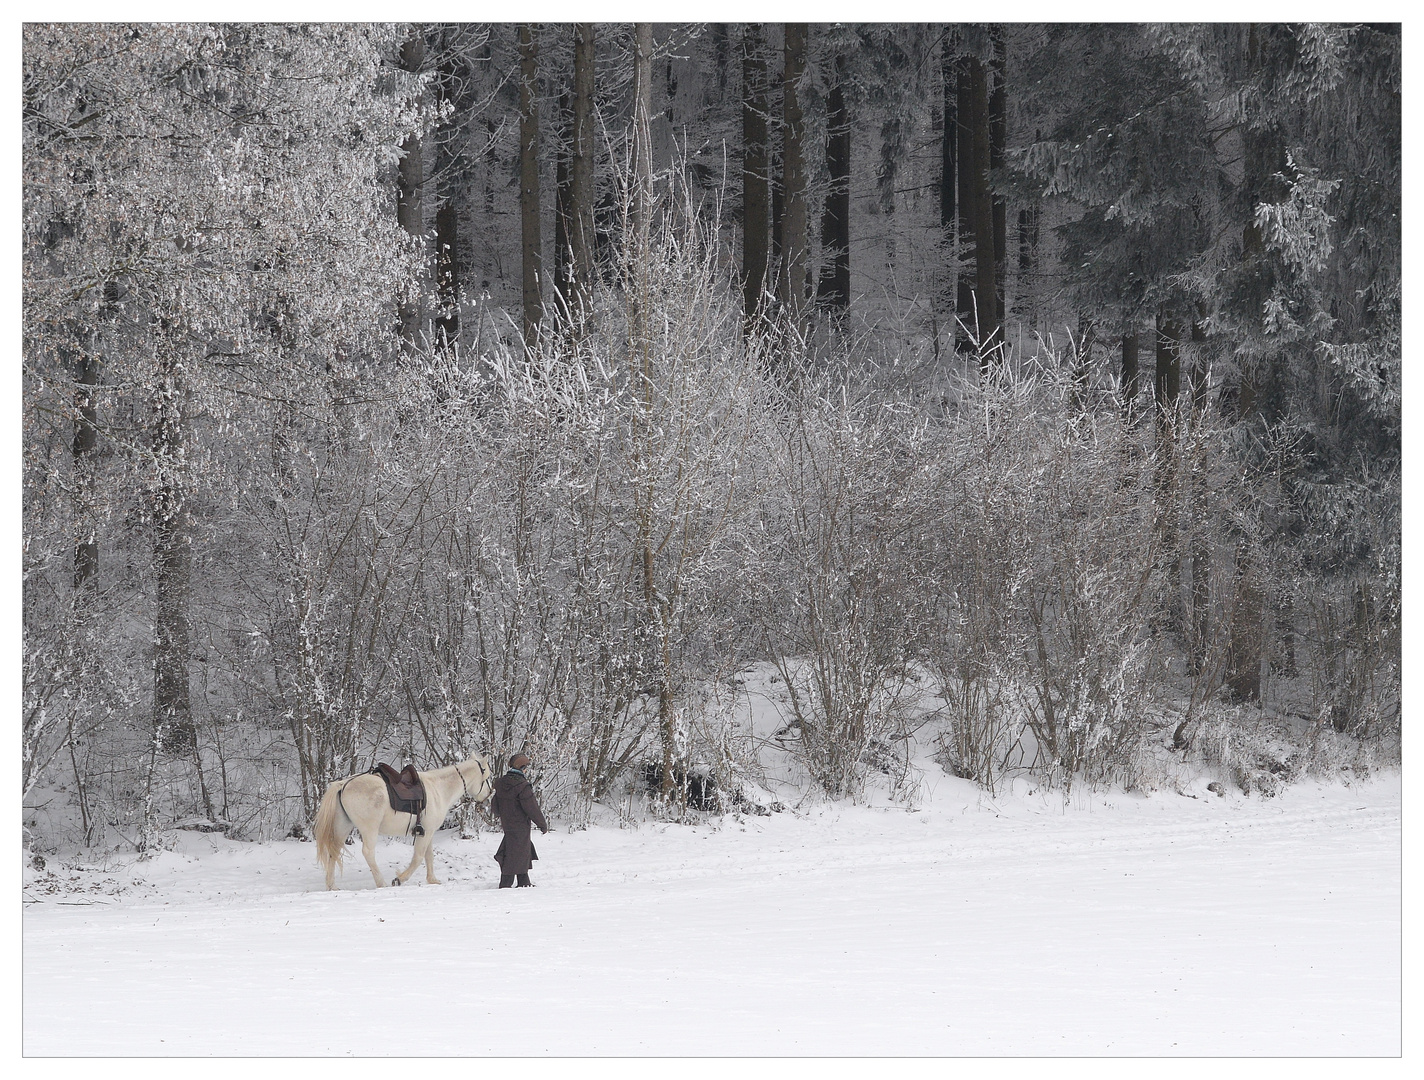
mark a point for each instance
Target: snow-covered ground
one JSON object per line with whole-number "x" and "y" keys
{"x": 1106, "y": 925}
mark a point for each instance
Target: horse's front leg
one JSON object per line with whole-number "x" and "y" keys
{"x": 430, "y": 860}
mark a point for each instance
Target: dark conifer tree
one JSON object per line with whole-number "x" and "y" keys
{"x": 582, "y": 191}
{"x": 756, "y": 170}
{"x": 985, "y": 296}
{"x": 792, "y": 279}
{"x": 998, "y": 140}
{"x": 532, "y": 261}
{"x": 834, "y": 291}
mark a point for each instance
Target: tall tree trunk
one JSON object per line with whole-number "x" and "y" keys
{"x": 1253, "y": 256}
{"x": 641, "y": 348}
{"x": 949, "y": 144}
{"x": 998, "y": 141}
{"x": 1264, "y": 159}
{"x": 494, "y": 168}
{"x": 532, "y": 262}
{"x": 1285, "y": 662}
{"x": 86, "y": 439}
{"x": 949, "y": 180}
{"x": 1131, "y": 379}
{"x": 986, "y": 304}
{"x": 1028, "y": 261}
{"x": 886, "y": 178}
{"x": 409, "y": 209}
{"x": 669, "y": 110}
{"x": 834, "y": 290}
{"x": 967, "y": 189}
{"x": 581, "y": 177}
{"x": 642, "y": 138}
{"x": 447, "y": 212}
{"x": 756, "y": 177}
{"x": 1166, "y": 387}
{"x": 778, "y": 205}
{"x": 1199, "y": 553}
{"x": 777, "y": 169}
{"x": 721, "y": 54}
{"x": 791, "y": 284}
{"x": 638, "y": 246}
{"x": 447, "y": 267}
{"x": 1167, "y": 382}
{"x": 172, "y": 711}
{"x": 562, "y": 254}
{"x": 1243, "y": 653}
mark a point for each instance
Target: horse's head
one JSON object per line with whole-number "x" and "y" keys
{"x": 485, "y": 788}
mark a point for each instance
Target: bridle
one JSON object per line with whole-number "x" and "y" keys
{"x": 483, "y": 774}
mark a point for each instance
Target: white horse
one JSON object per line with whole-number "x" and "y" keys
{"x": 363, "y": 802}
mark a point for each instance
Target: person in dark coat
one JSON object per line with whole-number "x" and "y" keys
{"x": 515, "y": 805}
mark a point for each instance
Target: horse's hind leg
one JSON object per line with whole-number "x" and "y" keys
{"x": 368, "y": 849}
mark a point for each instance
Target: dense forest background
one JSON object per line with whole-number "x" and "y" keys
{"x": 410, "y": 391}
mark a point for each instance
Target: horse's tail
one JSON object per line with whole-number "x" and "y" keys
{"x": 332, "y": 828}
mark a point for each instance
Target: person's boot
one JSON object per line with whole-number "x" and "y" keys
{"x": 524, "y": 882}
{"x": 506, "y": 880}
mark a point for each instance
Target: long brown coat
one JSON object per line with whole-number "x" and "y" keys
{"x": 515, "y": 805}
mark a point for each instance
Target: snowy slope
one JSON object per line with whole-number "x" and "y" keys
{"x": 1112, "y": 925}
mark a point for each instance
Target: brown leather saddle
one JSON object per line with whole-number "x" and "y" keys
{"x": 406, "y": 790}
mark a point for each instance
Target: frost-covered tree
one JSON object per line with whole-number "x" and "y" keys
{"x": 199, "y": 200}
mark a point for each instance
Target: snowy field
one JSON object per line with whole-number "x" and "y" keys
{"x": 1105, "y": 926}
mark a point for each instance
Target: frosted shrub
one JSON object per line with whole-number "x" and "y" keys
{"x": 1256, "y": 754}
{"x": 1353, "y": 630}
{"x": 983, "y": 735}
{"x": 1042, "y": 654}
{"x": 844, "y": 582}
